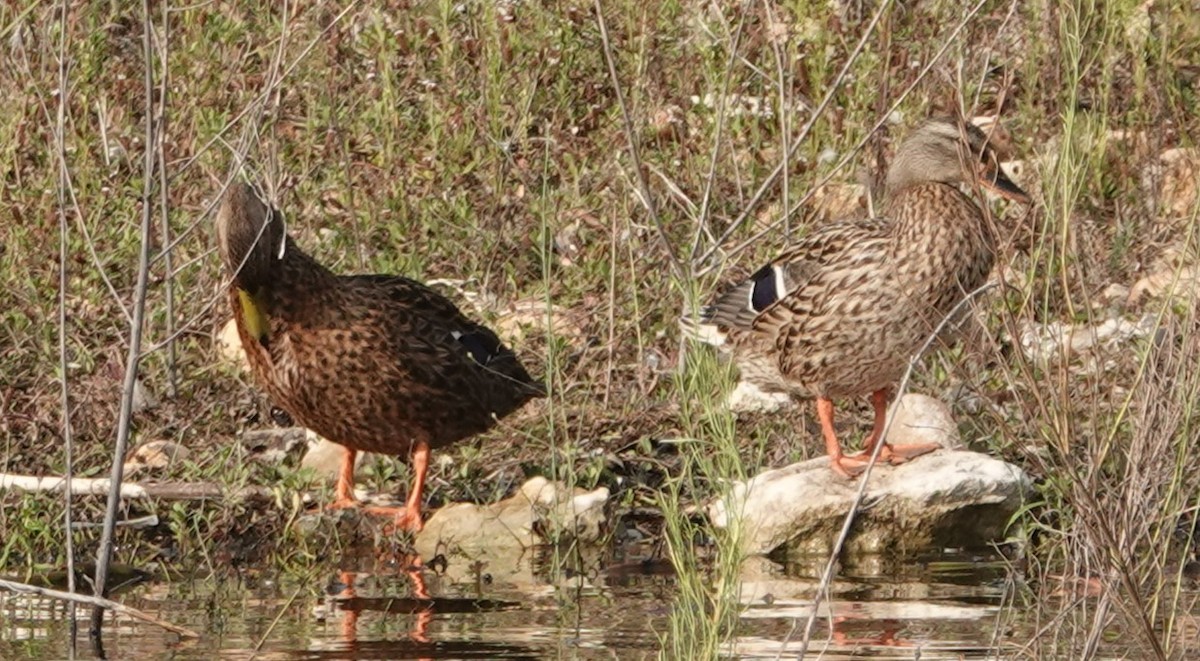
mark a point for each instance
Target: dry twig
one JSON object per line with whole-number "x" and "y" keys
{"x": 99, "y": 603}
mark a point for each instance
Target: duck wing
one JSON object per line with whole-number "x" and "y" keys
{"x": 764, "y": 301}
{"x": 436, "y": 344}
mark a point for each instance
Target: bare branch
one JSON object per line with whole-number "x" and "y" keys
{"x": 844, "y": 160}
{"x": 812, "y": 120}
{"x": 104, "y": 555}
{"x": 711, "y": 178}
{"x": 51, "y": 120}
{"x": 639, "y": 174}
{"x": 262, "y": 96}
{"x": 63, "y": 362}
{"x": 165, "y": 218}
{"x": 785, "y": 113}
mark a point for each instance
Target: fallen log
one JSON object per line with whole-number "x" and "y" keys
{"x": 135, "y": 490}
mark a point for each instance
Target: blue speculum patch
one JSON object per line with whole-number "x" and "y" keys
{"x": 766, "y": 289}
{"x": 477, "y": 346}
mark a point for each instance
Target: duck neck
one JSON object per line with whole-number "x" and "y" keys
{"x": 271, "y": 262}
{"x": 939, "y": 217}
{"x": 297, "y": 271}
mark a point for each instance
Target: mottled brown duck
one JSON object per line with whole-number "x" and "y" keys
{"x": 840, "y": 313}
{"x": 375, "y": 363}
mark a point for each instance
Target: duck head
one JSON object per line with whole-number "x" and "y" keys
{"x": 250, "y": 236}
{"x": 947, "y": 151}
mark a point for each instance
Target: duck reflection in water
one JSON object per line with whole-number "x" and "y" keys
{"x": 418, "y": 642}
{"x": 351, "y": 605}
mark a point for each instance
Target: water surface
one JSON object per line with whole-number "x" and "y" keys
{"x": 944, "y": 606}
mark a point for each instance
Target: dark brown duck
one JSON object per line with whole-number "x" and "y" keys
{"x": 375, "y": 363}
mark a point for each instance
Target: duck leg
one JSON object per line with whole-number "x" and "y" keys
{"x": 891, "y": 453}
{"x": 879, "y": 400}
{"x": 845, "y": 466}
{"x": 409, "y": 517}
{"x": 344, "y": 491}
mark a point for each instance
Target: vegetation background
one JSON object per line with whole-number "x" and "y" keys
{"x": 487, "y": 145}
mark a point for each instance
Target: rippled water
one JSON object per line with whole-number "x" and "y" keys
{"x": 942, "y": 607}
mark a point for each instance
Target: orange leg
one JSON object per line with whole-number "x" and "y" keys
{"x": 886, "y": 639}
{"x": 879, "y": 400}
{"x": 845, "y": 466}
{"x": 344, "y": 492}
{"x": 409, "y": 517}
{"x": 898, "y": 454}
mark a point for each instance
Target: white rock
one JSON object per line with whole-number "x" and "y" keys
{"x": 1046, "y": 343}
{"x": 749, "y": 398}
{"x": 1172, "y": 183}
{"x": 918, "y": 418}
{"x": 947, "y": 498}
{"x": 1115, "y": 293}
{"x": 154, "y": 456}
{"x": 275, "y": 445}
{"x": 1174, "y": 282}
{"x": 534, "y": 317}
{"x": 143, "y": 399}
{"x": 230, "y": 344}
{"x": 324, "y": 457}
{"x": 836, "y": 201}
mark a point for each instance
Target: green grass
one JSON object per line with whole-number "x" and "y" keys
{"x": 460, "y": 141}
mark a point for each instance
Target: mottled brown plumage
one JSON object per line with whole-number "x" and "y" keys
{"x": 376, "y": 363}
{"x": 840, "y": 313}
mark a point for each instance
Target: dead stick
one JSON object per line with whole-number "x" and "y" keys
{"x": 125, "y": 416}
{"x": 129, "y": 490}
{"x": 98, "y": 602}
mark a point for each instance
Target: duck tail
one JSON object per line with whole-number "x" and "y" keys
{"x": 699, "y": 326}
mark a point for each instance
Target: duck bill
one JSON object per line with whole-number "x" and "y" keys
{"x": 1000, "y": 184}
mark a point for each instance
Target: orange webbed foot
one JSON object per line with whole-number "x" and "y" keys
{"x": 898, "y": 454}
{"x": 409, "y": 520}
{"x": 406, "y": 518}
{"x": 343, "y": 504}
{"x": 848, "y": 467}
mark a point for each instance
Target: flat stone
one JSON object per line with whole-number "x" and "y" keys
{"x": 949, "y": 498}
{"x": 836, "y": 201}
{"x": 324, "y": 458}
{"x": 539, "y": 512}
{"x": 280, "y": 445}
{"x": 1174, "y": 181}
{"x": 1173, "y": 275}
{"x": 143, "y": 399}
{"x": 534, "y": 317}
{"x": 297, "y": 445}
